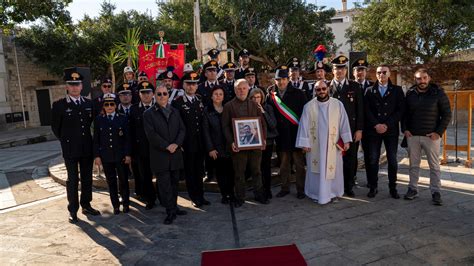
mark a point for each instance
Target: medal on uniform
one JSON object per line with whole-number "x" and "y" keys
{"x": 352, "y": 99}
{"x": 120, "y": 133}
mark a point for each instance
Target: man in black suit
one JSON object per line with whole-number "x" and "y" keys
{"x": 140, "y": 150}
{"x": 71, "y": 122}
{"x": 296, "y": 79}
{"x": 384, "y": 106}
{"x": 351, "y": 95}
{"x": 165, "y": 131}
{"x": 191, "y": 110}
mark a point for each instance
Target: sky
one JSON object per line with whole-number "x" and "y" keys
{"x": 79, "y": 8}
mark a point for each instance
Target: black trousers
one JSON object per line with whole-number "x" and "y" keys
{"x": 112, "y": 170}
{"x": 374, "y": 143}
{"x": 167, "y": 182}
{"x": 210, "y": 165}
{"x": 225, "y": 176}
{"x": 72, "y": 166}
{"x": 349, "y": 165}
{"x": 137, "y": 176}
{"x": 194, "y": 172}
{"x": 266, "y": 166}
{"x": 148, "y": 190}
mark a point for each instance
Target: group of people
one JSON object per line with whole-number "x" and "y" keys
{"x": 185, "y": 129}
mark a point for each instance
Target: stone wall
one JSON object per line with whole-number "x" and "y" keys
{"x": 32, "y": 77}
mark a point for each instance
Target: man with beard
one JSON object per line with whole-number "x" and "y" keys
{"x": 427, "y": 115}
{"x": 324, "y": 134}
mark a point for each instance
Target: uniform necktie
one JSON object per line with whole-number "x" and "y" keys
{"x": 339, "y": 87}
{"x": 110, "y": 117}
{"x": 127, "y": 111}
{"x": 78, "y": 102}
{"x": 146, "y": 107}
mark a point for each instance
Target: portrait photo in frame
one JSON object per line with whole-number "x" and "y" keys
{"x": 248, "y": 133}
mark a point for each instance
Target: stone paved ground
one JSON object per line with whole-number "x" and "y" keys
{"x": 352, "y": 231}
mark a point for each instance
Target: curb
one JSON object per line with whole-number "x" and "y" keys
{"x": 27, "y": 140}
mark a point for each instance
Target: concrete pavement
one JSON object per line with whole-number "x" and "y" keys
{"x": 25, "y": 136}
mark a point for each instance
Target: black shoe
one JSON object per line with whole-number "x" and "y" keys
{"x": 268, "y": 194}
{"x": 116, "y": 211}
{"x": 372, "y": 193}
{"x": 73, "y": 218}
{"x": 436, "y": 198}
{"x": 181, "y": 212}
{"x": 225, "y": 200}
{"x": 197, "y": 204}
{"x": 262, "y": 199}
{"x": 126, "y": 209}
{"x": 411, "y": 194}
{"x": 90, "y": 210}
{"x": 300, "y": 195}
{"x": 238, "y": 203}
{"x": 350, "y": 193}
{"x": 205, "y": 202}
{"x": 169, "y": 218}
{"x": 282, "y": 193}
{"x": 149, "y": 206}
{"x": 209, "y": 180}
{"x": 394, "y": 194}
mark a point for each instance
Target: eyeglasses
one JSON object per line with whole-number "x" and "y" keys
{"x": 382, "y": 72}
{"x": 322, "y": 89}
{"x": 109, "y": 104}
{"x": 106, "y": 86}
{"x": 159, "y": 94}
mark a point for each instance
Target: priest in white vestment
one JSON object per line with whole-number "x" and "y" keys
{"x": 324, "y": 133}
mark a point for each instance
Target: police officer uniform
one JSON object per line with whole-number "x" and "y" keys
{"x": 71, "y": 122}
{"x": 362, "y": 63}
{"x": 124, "y": 89}
{"x": 140, "y": 150}
{"x": 250, "y": 71}
{"x": 351, "y": 96}
{"x": 173, "y": 92}
{"x": 132, "y": 83}
{"x": 228, "y": 85}
{"x": 294, "y": 65}
{"x": 112, "y": 146}
{"x": 191, "y": 110}
{"x": 214, "y": 55}
{"x": 142, "y": 76}
{"x": 204, "y": 89}
{"x": 319, "y": 65}
{"x": 97, "y": 102}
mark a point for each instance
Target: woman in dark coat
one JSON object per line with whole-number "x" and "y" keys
{"x": 165, "y": 133}
{"x": 258, "y": 96}
{"x": 214, "y": 141}
{"x": 112, "y": 151}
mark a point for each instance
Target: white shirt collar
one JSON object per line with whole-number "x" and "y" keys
{"x": 190, "y": 98}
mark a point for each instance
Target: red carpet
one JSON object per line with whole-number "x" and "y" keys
{"x": 261, "y": 256}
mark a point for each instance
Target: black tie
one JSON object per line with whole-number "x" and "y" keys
{"x": 110, "y": 117}
{"x": 146, "y": 107}
{"x": 339, "y": 87}
{"x": 78, "y": 102}
{"x": 127, "y": 111}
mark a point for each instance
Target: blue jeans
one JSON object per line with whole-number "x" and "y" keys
{"x": 374, "y": 144}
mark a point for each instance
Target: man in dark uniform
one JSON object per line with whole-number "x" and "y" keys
{"x": 169, "y": 79}
{"x": 71, "y": 122}
{"x": 244, "y": 62}
{"x": 129, "y": 78}
{"x": 280, "y": 96}
{"x": 140, "y": 146}
{"x": 359, "y": 70}
{"x": 191, "y": 110}
{"x": 228, "y": 81}
{"x": 320, "y": 70}
{"x": 296, "y": 79}
{"x": 384, "y": 105}
{"x": 106, "y": 88}
{"x": 250, "y": 77}
{"x": 351, "y": 95}
{"x": 142, "y": 76}
{"x": 125, "y": 98}
{"x": 214, "y": 55}
{"x": 204, "y": 89}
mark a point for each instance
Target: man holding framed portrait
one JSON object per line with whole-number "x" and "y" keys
{"x": 245, "y": 132}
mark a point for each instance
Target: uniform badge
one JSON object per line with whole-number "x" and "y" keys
{"x": 120, "y": 132}
{"x": 68, "y": 110}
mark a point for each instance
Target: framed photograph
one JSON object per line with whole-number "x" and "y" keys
{"x": 248, "y": 133}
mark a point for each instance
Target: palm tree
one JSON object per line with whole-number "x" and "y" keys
{"x": 129, "y": 47}
{"x": 112, "y": 58}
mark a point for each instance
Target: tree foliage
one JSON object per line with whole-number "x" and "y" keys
{"x": 18, "y": 11}
{"x": 398, "y": 31}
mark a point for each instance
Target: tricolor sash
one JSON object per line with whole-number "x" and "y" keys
{"x": 283, "y": 109}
